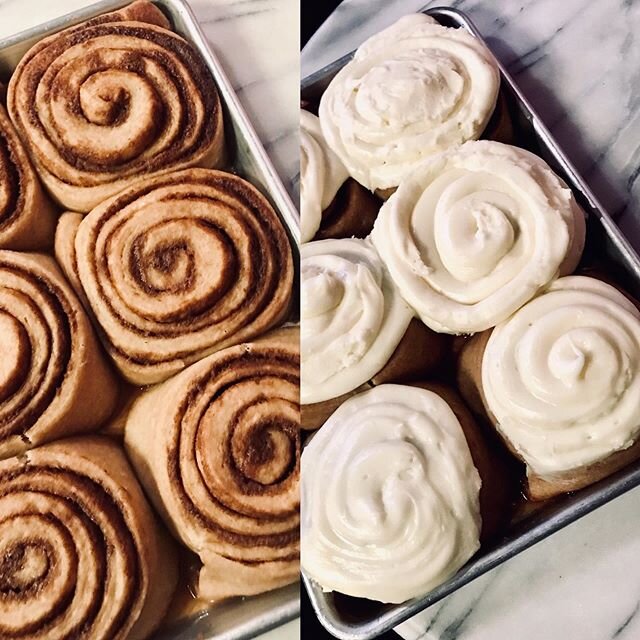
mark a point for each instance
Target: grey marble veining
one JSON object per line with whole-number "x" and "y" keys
{"x": 578, "y": 61}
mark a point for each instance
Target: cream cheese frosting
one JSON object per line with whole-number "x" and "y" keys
{"x": 352, "y": 317}
{"x": 410, "y": 91}
{"x": 321, "y": 175}
{"x": 390, "y": 496}
{"x": 476, "y": 233}
{"x": 562, "y": 378}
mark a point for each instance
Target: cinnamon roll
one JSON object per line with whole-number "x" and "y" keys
{"x": 378, "y": 521}
{"x": 54, "y": 380}
{"x": 80, "y": 552}
{"x": 27, "y": 217}
{"x": 178, "y": 266}
{"x": 353, "y": 322}
{"x": 217, "y": 447}
{"x": 105, "y": 102}
{"x": 560, "y": 381}
{"x": 476, "y": 233}
{"x": 332, "y": 205}
{"x": 411, "y": 91}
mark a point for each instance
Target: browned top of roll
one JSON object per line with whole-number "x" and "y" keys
{"x": 224, "y": 465}
{"x": 181, "y": 265}
{"x": 113, "y": 98}
{"x": 73, "y": 562}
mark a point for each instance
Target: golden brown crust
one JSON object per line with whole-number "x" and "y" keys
{"x": 351, "y": 213}
{"x": 420, "y": 354}
{"x": 27, "y": 217}
{"x": 113, "y": 99}
{"x": 178, "y": 266}
{"x": 81, "y": 554}
{"x": 500, "y": 126}
{"x": 218, "y": 449}
{"x": 313, "y": 416}
{"x": 54, "y": 380}
{"x": 65, "y": 251}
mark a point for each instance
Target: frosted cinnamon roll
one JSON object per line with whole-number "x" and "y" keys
{"x": 218, "y": 449}
{"x": 332, "y": 205}
{"x": 27, "y": 217}
{"x": 178, "y": 266}
{"x": 80, "y": 552}
{"x": 118, "y": 97}
{"x": 411, "y": 91}
{"x": 352, "y": 317}
{"x": 560, "y": 380}
{"x": 377, "y": 520}
{"x": 54, "y": 380}
{"x": 321, "y": 175}
{"x": 476, "y": 233}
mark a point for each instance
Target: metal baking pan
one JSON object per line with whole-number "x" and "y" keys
{"x": 239, "y": 618}
{"x": 359, "y": 619}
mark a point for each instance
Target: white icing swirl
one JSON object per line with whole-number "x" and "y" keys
{"x": 352, "y": 317}
{"x": 412, "y": 90}
{"x": 390, "y": 496}
{"x": 562, "y": 378}
{"x": 476, "y": 232}
{"x": 321, "y": 175}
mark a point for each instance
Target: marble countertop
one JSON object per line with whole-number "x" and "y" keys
{"x": 263, "y": 70}
{"x": 579, "y": 64}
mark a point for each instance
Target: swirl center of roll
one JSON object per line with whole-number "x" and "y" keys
{"x": 342, "y": 311}
{"x": 473, "y": 230}
{"x": 572, "y": 353}
{"x": 381, "y": 481}
{"x": 102, "y": 112}
{"x": 410, "y": 90}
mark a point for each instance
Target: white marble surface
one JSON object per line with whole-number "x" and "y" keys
{"x": 579, "y": 63}
{"x": 264, "y": 70}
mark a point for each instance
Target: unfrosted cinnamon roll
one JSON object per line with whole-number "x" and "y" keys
{"x": 105, "y": 102}
{"x": 27, "y": 217}
{"x": 378, "y": 521}
{"x": 560, "y": 380}
{"x": 178, "y": 266}
{"x": 217, "y": 448}
{"x": 54, "y": 380}
{"x": 476, "y": 233}
{"x": 81, "y": 554}
{"x": 411, "y": 91}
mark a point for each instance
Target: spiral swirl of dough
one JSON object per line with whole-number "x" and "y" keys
{"x": 352, "y": 317}
{"x": 80, "y": 552}
{"x": 476, "y": 233}
{"x": 27, "y": 218}
{"x": 412, "y": 90}
{"x": 218, "y": 449}
{"x": 113, "y": 99}
{"x": 54, "y": 380}
{"x": 379, "y": 520}
{"x": 181, "y": 265}
{"x": 321, "y": 175}
{"x": 562, "y": 375}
